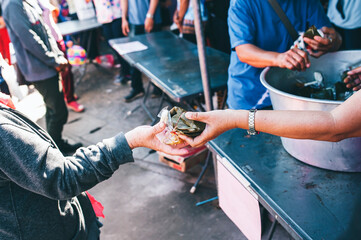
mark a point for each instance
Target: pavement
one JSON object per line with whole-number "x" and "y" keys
{"x": 145, "y": 199}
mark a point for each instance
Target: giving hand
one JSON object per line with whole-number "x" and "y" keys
{"x": 217, "y": 121}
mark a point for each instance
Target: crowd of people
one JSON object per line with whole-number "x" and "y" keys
{"x": 33, "y": 170}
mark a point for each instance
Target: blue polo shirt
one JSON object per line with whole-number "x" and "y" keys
{"x": 137, "y": 11}
{"x": 255, "y": 22}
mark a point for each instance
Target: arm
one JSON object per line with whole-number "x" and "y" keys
{"x": 342, "y": 122}
{"x": 41, "y": 168}
{"x": 125, "y": 24}
{"x": 179, "y": 14}
{"x": 294, "y": 59}
{"x": 21, "y": 26}
{"x": 149, "y": 21}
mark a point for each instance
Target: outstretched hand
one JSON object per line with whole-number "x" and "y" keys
{"x": 217, "y": 121}
{"x": 145, "y": 136}
{"x": 353, "y": 80}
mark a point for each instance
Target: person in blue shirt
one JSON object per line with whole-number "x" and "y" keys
{"x": 259, "y": 39}
{"x": 139, "y": 17}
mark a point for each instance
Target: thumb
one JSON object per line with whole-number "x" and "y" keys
{"x": 159, "y": 127}
{"x": 198, "y": 116}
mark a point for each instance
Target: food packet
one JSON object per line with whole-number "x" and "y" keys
{"x": 177, "y": 124}
{"x": 309, "y": 33}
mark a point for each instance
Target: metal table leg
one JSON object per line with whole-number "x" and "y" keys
{"x": 272, "y": 230}
{"x": 204, "y": 168}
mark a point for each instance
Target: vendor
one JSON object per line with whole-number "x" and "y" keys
{"x": 259, "y": 39}
{"x": 336, "y": 125}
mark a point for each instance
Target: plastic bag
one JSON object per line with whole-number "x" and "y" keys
{"x": 178, "y": 124}
{"x": 9, "y": 74}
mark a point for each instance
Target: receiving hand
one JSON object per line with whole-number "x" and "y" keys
{"x": 148, "y": 24}
{"x": 354, "y": 79}
{"x": 321, "y": 45}
{"x": 145, "y": 136}
{"x": 217, "y": 121}
{"x": 293, "y": 59}
{"x": 125, "y": 27}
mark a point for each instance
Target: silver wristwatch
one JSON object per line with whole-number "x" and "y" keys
{"x": 251, "y": 119}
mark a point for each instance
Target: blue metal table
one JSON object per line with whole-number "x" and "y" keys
{"x": 172, "y": 64}
{"x": 77, "y": 26}
{"x": 309, "y": 202}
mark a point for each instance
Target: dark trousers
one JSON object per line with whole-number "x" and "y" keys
{"x": 114, "y": 30}
{"x": 56, "y": 111}
{"x": 67, "y": 78}
{"x": 136, "y": 75}
{"x": 351, "y": 38}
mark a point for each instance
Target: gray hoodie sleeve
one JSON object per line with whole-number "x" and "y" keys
{"x": 18, "y": 20}
{"x": 30, "y": 161}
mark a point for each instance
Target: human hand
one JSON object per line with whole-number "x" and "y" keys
{"x": 146, "y": 136}
{"x": 55, "y": 14}
{"x": 62, "y": 64}
{"x": 293, "y": 59}
{"x": 2, "y": 23}
{"x": 125, "y": 27}
{"x": 148, "y": 24}
{"x": 178, "y": 21}
{"x": 353, "y": 80}
{"x": 217, "y": 121}
{"x": 319, "y": 45}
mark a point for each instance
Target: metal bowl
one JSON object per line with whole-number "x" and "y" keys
{"x": 340, "y": 156}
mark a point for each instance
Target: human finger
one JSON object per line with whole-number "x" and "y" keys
{"x": 291, "y": 62}
{"x": 198, "y": 116}
{"x": 315, "y": 54}
{"x": 159, "y": 127}
{"x": 171, "y": 150}
{"x": 299, "y": 56}
{"x": 354, "y": 71}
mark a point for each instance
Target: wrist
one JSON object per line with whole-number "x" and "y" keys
{"x": 130, "y": 139}
{"x": 149, "y": 15}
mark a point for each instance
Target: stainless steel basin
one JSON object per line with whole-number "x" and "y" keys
{"x": 340, "y": 156}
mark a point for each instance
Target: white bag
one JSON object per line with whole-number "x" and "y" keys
{"x": 9, "y": 75}
{"x": 84, "y": 10}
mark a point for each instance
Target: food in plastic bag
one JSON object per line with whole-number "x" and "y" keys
{"x": 312, "y": 32}
{"x": 178, "y": 124}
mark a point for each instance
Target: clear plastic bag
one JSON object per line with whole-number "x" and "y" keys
{"x": 178, "y": 124}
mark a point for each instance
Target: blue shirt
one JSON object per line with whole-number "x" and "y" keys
{"x": 255, "y": 22}
{"x": 138, "y": 9}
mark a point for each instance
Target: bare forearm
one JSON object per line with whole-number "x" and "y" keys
{"x": 255, "y": 56}
{"x": 184, "y": 4}
{"x": 317, "y": 125}
{"x": 124, "y": 5}
{"x": 153, "y": 6}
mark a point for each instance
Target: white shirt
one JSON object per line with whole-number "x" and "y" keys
{"x": 352, "y": 12}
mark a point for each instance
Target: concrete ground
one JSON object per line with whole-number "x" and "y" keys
{"x": 145, "y": 199}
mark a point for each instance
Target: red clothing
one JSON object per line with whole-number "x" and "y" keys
{"x": 4, "y": 44}
{"x": 67, "y": 78}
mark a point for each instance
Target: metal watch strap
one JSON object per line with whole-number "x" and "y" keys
{"x": 251, "y": 119}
